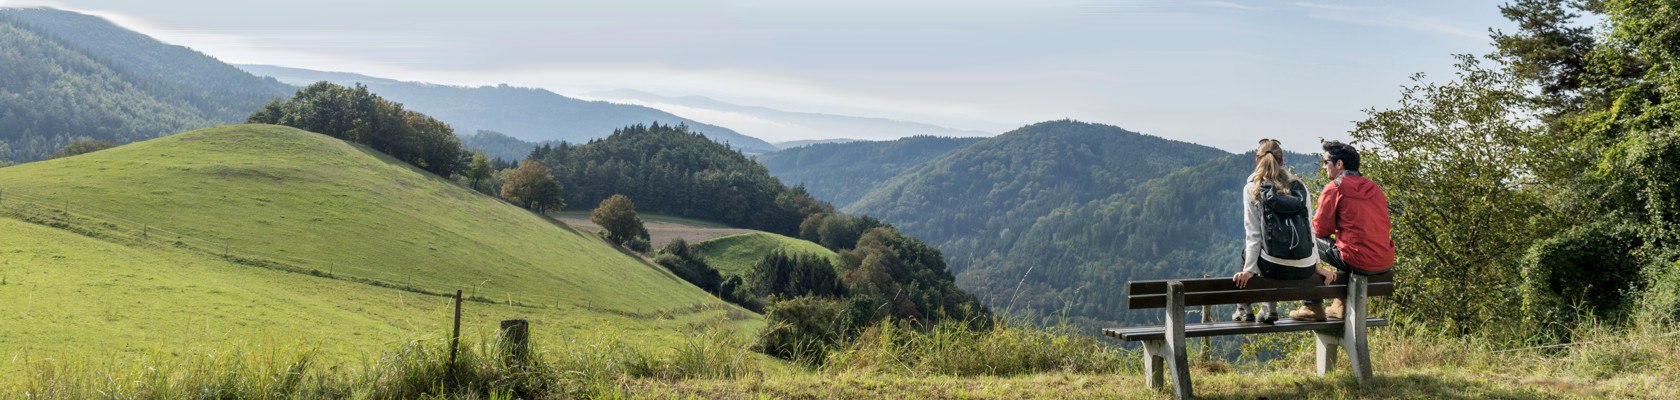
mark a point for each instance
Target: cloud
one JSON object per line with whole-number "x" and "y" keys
{"x": 1321, "y": 6}
{"x": 1411, "y": 22}
{"x": 1227, "y": 5}
{"x": 1385, "y": 18}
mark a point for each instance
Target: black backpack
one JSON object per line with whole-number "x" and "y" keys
{"x": 1287, "y": 227}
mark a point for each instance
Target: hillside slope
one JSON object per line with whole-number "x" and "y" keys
{"x": 76, "y": 297}
{"x": 842, "y": 173}
{"x": 280, "y": 195}
{"x": 529, "y": 114}
{"x": 71, "y": 76}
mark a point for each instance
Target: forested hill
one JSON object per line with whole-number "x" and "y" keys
{"x": 1059, "y": 215}
{"x": 69, "y": 76}
{"x": 1079, "y": 257}
{"x": 529, "y": 114}
{"x": 671, "y": 170}
{"x": 981, "y": 197}
{"x": 842, "y": 173}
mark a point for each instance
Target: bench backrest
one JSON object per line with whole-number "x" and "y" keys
{"x": 1214, "y": 291}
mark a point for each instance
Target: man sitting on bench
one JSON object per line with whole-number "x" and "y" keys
{"x": 1352, "y": 224}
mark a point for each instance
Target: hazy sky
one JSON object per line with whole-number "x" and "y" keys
{"x": 1222, "y": 73}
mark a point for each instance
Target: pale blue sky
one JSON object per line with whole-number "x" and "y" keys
{"x": 1222, "y": 73}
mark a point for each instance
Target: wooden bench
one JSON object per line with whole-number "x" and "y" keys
{"x": 1166, "y": 344}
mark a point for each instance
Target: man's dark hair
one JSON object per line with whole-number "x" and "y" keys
{"x": 1338, "y": 151}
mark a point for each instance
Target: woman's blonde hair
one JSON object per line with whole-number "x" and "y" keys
{"x": 1269, "y": 167}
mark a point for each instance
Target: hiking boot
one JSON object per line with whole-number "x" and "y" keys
{"x": 1335, "y": 310}
{"x": 1268, "y": 313}
{"x": 1243, "y": 314}
{"x": 1309, "y": 312}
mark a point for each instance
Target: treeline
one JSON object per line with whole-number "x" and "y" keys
{"x": 359, "y": 116}
{"x": 1540, "y": 188}
{"x": 670, "y": 170}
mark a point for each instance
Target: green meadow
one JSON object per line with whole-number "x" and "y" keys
{"x": 736, "y": 254}
{"x": 267, "y": 236}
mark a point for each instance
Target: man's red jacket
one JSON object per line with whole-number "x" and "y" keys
{"x": 1355, "y": 210}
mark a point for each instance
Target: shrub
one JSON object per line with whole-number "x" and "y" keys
{"x": 78, "y": 147}
{"x": 805, "y": 329}
{"x": 1590, "y": 266}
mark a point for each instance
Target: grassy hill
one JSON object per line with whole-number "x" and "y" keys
{"x": 735, "y": 254}
{"x": 287, "y": 199}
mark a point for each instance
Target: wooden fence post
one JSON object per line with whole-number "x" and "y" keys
{"x": 516, "y": 341}
{"x": 455, "y": 337}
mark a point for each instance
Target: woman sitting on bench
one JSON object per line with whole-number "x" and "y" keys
{"x": 1277, "y": 221}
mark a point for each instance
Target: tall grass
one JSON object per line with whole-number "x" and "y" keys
{"x": 714, "y": 362}
{"x": 952, "y": 348}
{"x": 588, "y": 367}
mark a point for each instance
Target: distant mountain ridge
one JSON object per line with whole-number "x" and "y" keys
{"x": 69, "y": 76}
{"x": 842, "y": 173}
{"x": 791, "y": 123}
{"x": 528, "y": 114}
{"x": 802, "y": 143}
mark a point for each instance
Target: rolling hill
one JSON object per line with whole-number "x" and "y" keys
{"x": 736, "y": 254}
{"x": 69, "y": 76}
{"x": 528, "y": 114}
{"x": 238, "y": 203}
{"x": 842, "y": 173}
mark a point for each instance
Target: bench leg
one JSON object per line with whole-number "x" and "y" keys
{"x": 1179, "y": 362}
{"x": 1328, "y": 342}
{"x": 1152, "y": 362}
{"x": 1353, "y": 331}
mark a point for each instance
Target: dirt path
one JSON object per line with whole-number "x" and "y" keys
{"x": 660, "y": 231}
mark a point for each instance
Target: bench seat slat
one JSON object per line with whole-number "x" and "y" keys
{"x": 1255, "y": 296}
{"x": 1136, "y": 288}
{"x": 1230, "y": 328}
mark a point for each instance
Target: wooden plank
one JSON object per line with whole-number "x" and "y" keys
{"x": 1140, "y": 333}
{"x": 1255, "y": 296}
{"x": 1179, "y": 361}
{"x": 1192, "y": 286}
